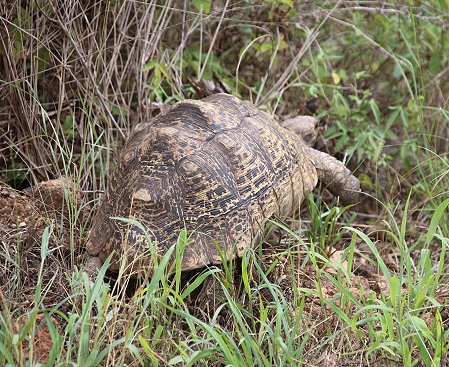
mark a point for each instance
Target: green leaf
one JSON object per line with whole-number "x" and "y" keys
{"x": 181, "y": 244}
{"x": 203, "y": 5}
{"x": 150, "y": 65}
{"x": 6, "y": 354}
{"x": 148, "y": 350}
{"x": 436, "y": 218}
{"x": 198, "y": 281}
{"x": 375, "y": 110}
{"x": 435, "y": 62}
{"x": 68, "y": 127}
{"x": 336, "y": 78}
{"x": 175, "y": 360}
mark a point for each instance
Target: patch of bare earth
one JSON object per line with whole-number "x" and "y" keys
{"x": 26, "y": 225}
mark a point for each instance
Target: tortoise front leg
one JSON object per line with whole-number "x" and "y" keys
{"x": 92, "y": 266}
{"x": 211, "y": 297}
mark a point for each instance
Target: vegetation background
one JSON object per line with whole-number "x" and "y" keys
{"x": 360, "y": 286}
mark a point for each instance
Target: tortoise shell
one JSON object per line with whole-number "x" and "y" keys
{"x": 218, "y": 167}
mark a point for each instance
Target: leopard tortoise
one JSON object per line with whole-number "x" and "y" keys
{"x": 218, "y": 167}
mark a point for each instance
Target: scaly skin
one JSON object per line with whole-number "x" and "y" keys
{"x": 337, "y": 178}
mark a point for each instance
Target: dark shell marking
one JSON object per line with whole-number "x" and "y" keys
{"x": 218, "y": 167}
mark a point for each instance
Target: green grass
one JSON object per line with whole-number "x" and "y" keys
{"x": 366, "y": 285}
